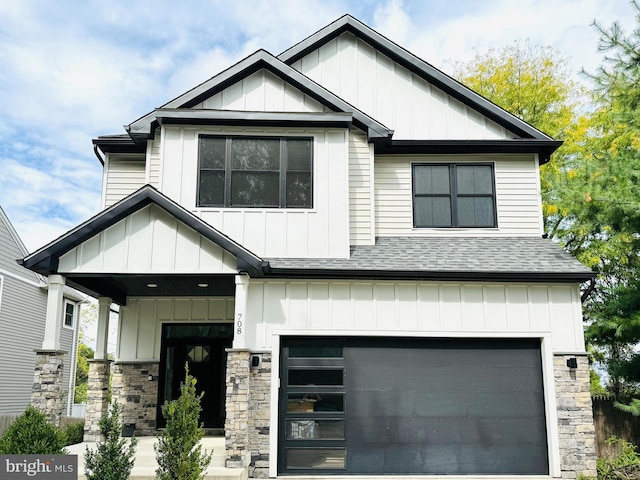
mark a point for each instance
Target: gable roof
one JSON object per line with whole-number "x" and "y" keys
{"x": 142, "y": 128}
{"x": 46, "y": 259}
{"x": 12, "y": 232}
{"x": 416, "y": 65}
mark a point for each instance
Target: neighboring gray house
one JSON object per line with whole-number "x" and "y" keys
{"x": 347, "y": 246}
{"x": 23, "y": 306}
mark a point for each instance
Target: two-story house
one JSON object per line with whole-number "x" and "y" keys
{"x": 346, "y": 245}
{"x": 23, "y": 308}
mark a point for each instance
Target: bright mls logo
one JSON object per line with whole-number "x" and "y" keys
{"x": 51, "y": 467}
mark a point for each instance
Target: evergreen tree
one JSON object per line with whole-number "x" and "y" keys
{"x": 178, "y": 452}
{"x": 113, "y": 459}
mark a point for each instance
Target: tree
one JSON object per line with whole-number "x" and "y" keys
{"x": 534, "y": 83}
{"x": 85, "y": 353}
{"x": 599, "y": 211}
{"x": 178, "y": 452}
{"x": 113, "y": 458}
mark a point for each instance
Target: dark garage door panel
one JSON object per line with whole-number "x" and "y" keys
{"x": 445, "y": 407}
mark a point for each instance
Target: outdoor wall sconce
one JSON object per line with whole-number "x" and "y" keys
{"x": 572, "y": 362}
{"x": 255, "y": 361}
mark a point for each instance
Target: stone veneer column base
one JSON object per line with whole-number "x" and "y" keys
{"x": 97, "y": 398}
{"x": 135, "y": 388}
{"x": 46, "y": 394}
{"x": 259, "y": 415}
{"x": 575, "y": 417}
{"x": 248, "y": 410}
{"x": 237, "y": 409}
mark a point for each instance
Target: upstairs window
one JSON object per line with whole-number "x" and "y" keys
{"x": 454, "y": 195}
{"x": 267, "y": 172}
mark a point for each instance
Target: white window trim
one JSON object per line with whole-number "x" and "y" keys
{"x": 74, "y": 319}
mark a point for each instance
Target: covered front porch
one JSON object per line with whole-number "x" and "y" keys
{"x": 181, "y": 287}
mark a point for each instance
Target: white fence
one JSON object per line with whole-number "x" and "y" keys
{"x": 79, "y": 410}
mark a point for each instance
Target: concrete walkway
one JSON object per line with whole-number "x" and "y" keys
{"x": 145, "y": 464}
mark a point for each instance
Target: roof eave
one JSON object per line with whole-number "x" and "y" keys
{"x": 544, "y": 148}
{"x": 475, "y": 276}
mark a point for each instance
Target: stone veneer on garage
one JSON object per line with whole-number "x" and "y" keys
{"x": 248, "y": 404}
{"x": 135, "y": 388}
{"x": 575, "y": 417}
{"x": 248, "y": 410}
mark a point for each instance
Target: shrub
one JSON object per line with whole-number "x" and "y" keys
{"x": 112, "y": 459}
{"x": 625, "y": 465}
{"x": 73, "y": 429}
{"x": 32, "y": 434}
{"x": 178, "y": 452}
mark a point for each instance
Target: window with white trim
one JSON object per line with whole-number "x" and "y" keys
{"x": 254, "y": 172}
{"x": 69, "y": 314}
{"x": 450, "y": 195}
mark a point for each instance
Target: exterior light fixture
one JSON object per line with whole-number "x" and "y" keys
{"x": 152, "y": 285}
{"x": 203, "y": 285}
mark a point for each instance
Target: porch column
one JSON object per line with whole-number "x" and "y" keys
{"x": 46, "y": 394}
{"x": 102, "y": 337}
{"x": 51, "y": 341}
{"x": 97, "y": 398}
{"x": 240, "y": 318}
{"x": 99, "y": 375}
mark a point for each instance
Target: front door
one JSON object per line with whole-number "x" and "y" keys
{"x": 202, "y": 347}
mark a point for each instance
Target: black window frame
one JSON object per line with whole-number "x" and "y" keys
{"x": 283, "y": 171}
{"x": 453, "y": 194}
{"x": 68, "y": 318}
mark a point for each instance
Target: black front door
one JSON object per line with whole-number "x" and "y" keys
{"x": 202, "y": 347}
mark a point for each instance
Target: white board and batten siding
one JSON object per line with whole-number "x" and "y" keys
{"x": 321, "y": 231}
{"x": 123, "y": 177}
{"x": 393, "y": 95}
{"x": 517, "y": 196}
{"x": 419, "y": 309}
{"x": 148, "y": 241}
{"x": 262, "y": 91}
{"x": 141, "y": 320}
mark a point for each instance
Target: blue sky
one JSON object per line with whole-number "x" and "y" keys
{"x": 76, "y": 69}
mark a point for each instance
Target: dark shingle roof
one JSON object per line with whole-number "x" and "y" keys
{"x": 447, "y": 258}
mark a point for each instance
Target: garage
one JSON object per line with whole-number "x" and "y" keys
{"x": 401, "y": 406}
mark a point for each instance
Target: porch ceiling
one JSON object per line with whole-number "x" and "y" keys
{"x": 119, "y": 287}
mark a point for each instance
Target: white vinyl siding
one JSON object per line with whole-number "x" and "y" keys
{"x": 393, "y": 95}
{"x": 262, "y": 91}
{"x": 321, "y": 231}
{"x": 22, "y": 317}
{"x": 124, "y": 176}
{"x": 414, "y": 309}
{"x": 140, "y": 323}
{"x": 517, "y": 196}
{"x": 154, "y": 161}
{"x": 149, "y": 240}
{"x": 10, "y": 251}
{"x": 361, "y": 221}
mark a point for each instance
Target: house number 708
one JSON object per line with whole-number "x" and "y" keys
{"x": 239, "y": 324}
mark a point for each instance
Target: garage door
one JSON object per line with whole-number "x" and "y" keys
{"x": 412, "y": 406}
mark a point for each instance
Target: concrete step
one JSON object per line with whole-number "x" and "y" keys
{"x": 145, "y": 464}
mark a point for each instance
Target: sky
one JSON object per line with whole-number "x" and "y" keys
{"x": 72, "y": 70}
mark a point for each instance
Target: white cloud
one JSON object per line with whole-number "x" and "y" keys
{"x": 70, "y": 71}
